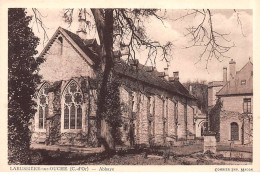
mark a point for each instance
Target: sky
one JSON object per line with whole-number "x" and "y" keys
{"x": 184, "y": 60}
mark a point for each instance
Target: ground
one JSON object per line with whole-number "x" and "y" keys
{"x": 182, "y": 155}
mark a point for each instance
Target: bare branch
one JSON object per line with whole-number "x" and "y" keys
{"x": 204, "y": 35}
{"x": 239, "y": 22}
{"x": 38, "y": 20}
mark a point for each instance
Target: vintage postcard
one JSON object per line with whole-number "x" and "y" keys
{"x": 129, "y": 87}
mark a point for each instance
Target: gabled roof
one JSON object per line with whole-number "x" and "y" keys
{"x": 83, "y": 44}
{"x": 83, "y": 47}
{"x": 76, "y": 42}
{"x": 234, "y": 86}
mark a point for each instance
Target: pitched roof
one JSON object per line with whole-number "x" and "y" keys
{"x": 235, "y": 87}
{"x": 151, "y": 78}
{"x": 121, "y": 67}
{"x": 83, "y": 44}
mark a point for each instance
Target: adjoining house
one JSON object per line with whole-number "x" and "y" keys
{"x": 156, "y": 108}
{"x": 236, "y": 96}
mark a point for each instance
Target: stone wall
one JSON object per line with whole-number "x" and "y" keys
{"x": 158, "y": 120}
{"x": 171, "y": 120}
{"x": 58, "y": 69}
{"x": 212, "y": 98}
{"x": 143, "y": 121}
{"x": 244, "y": 127}
{"x": 181, "y": 132}
{"x": 235, "y": 103}
{"x": 58, "y": 63}
{"x": 190, "y": 121}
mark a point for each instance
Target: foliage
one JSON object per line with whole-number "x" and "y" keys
{"x": 112, "y": 109}
{"x": 200, "y": 91}
{"x": 214, "y": 119}
{"x": 22, "y": 81}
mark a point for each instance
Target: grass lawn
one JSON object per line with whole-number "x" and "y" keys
{"x": 183, "y": 155}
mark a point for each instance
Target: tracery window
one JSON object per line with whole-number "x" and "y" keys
{"x": 73, "y": 107}
{"x": 43, "y": 105}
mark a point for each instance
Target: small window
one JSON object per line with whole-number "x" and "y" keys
{"x": 243, "y": 82}
{"x": 61, "y": 44}
{"x": 234, "y": 131}
{"x": 247, "y": 105}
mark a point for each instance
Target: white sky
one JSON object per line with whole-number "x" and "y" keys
{"x": 183, "y": 60}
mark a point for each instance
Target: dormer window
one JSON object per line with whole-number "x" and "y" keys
{"x": 243, "y": 82}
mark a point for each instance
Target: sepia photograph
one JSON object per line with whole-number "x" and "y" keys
{"x": 129, "y": 86}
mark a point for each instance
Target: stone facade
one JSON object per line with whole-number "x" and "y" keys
{"x": 235, "y": 103}
{"x": 66, "y": 112}
{"x": 236, "y": 114}
{"x": 244, "y": 131}
{"x": 213, "y": 88}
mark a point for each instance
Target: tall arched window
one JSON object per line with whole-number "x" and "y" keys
{"x": 43, "y": 105}
{"x": 73, "y": 107}
{"x": 234, "y": 131}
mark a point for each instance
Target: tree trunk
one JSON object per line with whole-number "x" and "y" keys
{"x": 104, "y": 23}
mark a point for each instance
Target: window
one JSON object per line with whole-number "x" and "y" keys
{"x": 247, "y": 105}
{"x": 176, "y": 113}
{"x": 243, "y": 82}
{"x": 133, "y": 103}
{"x": 151, "y": 105}
{"x": 43, "y": 105}
{"x": 163, "y": 109}
{"x": 151, "y": 128}
{"x": 73, "y": 107}
{"x": 234, "y": 131}
{"x": 61, "y": 44}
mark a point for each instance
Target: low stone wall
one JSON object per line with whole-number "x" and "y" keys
{"x": 236, "y": 154}
{"x": 38, "y": 137}
{"x": 75, "y": 139}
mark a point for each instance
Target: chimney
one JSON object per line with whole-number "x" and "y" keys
{"x": 176, "y": 76}
{"x": 171, "y": 79}
{"x": 232, "y": 69}
{"x": 149, "y": 68}
{"x": 134, "y": 63}
{"x": 166, "y": 73}
{"x": 81, "y": 32}
{"x": 190, "y": 89}
{"x": 161, "y": 74}
{"x": 225, "y": 75}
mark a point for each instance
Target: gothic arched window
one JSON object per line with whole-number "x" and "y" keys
{"x": 43, "y": 105}
{"x": 73, "y": 107}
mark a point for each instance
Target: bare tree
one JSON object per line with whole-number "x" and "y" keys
{"x": 124, "y": 28}
{"x": 204, "y": 35}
